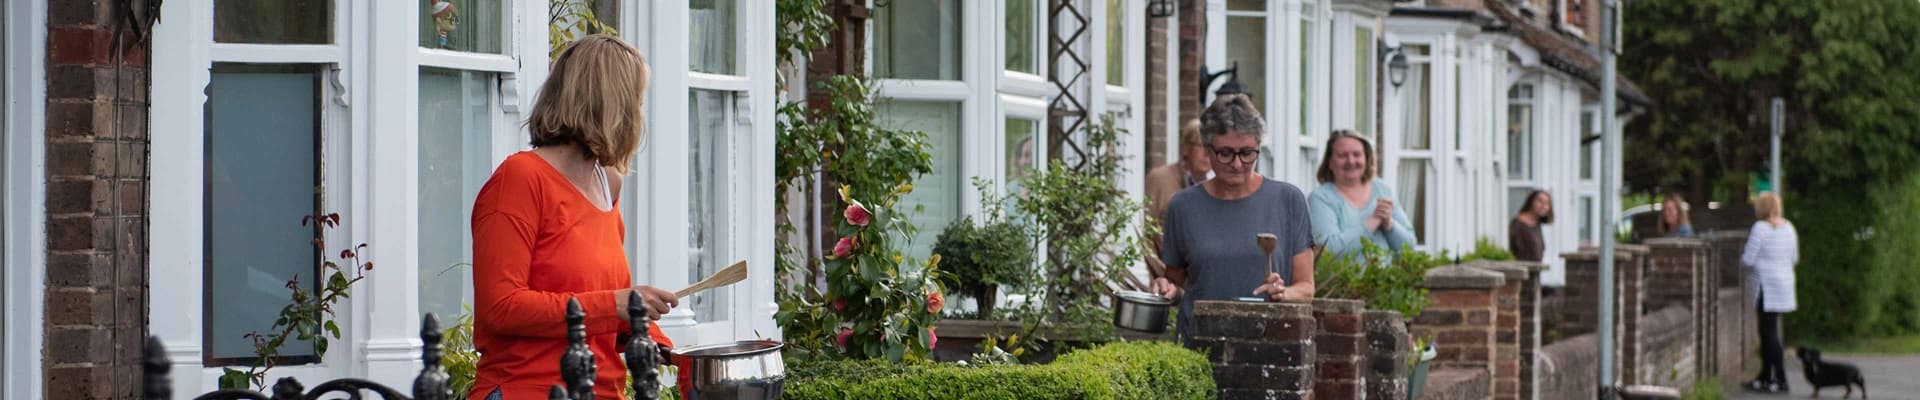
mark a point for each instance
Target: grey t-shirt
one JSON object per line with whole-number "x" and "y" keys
{"x": 1215, "y": 241}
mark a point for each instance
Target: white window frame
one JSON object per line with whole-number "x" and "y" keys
{"x": 24, "y": 202}
{"x": 657, "y": 221}
{"x": 977, "y": 82}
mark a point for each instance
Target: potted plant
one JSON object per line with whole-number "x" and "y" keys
{"x": 979, "y": 258}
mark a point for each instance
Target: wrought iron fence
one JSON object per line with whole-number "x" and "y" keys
{"x": 576, "y": 367}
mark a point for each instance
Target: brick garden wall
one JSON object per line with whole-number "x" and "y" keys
{"x": 1258, "y": 350}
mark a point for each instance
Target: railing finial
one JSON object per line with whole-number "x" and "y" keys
{"x": 154, "y": 367}
{"x": 433, "y": 382}
{"x": 643, "y": 357}
{"x": 576, "y": 365}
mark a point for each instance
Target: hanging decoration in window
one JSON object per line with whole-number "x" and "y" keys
{"x": 443, "y": 22}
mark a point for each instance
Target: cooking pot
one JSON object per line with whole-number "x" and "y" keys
{"x": 747, "y": 369}
{"x": 1140, "y": 311}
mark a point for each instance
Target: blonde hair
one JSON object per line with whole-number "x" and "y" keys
{"x": 1768, "y": 206}
{"x": 1326, "y": 157}
{"x": 1190, "y": 133}
{"x": 593, "y": 98}
{"x": 1679, "y": 208}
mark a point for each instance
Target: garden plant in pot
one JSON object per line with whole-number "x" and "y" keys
{"x": 1389, "y": 282}
{"x": 982, "y": 257}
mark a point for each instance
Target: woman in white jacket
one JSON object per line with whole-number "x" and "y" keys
{"x": 1772, "y": 249}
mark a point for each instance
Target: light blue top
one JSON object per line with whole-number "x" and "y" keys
{"x": 1341, "y": 227}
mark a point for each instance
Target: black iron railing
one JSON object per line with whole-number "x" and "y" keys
{"x": 576, "y": 367}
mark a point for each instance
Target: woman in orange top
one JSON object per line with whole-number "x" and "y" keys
{"x": 545, "y": 229}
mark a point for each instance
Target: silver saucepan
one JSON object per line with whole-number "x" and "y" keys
{"x": 1140, "y": 311}
{"x": 747, "y": 369}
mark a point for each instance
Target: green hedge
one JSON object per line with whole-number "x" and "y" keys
{"x": 1852, "y": 283}
{"x": 1119, "y": 371}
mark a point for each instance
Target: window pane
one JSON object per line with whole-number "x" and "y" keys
{"x": 707, "y": 119}
{"x": 1116, "y": 42}
{"x": 1586, "y": 219}
{"x": 711, "y": 31}
{"x": 1363, "y": 80}
{"x": 1306, "y": 71}
{"x": 1416, "y": 113}
{"x": 1020, "y": 37}
{"x": 1516, "y": 197}
{"x": 937, "y": 192}
{"x": 463, "y": 25}
{"x": 262, "y": 124}
{"x": 1021, "y": 147}
{"x": 1413, "y": 195}
{"x": 1587, "y": 148}
{"x": 1247, "y": 5}
{"x": 273, "y": 22}
{"x": 1520, "y": 141}
{"x": 455, "y": 125}
{"x": 917, "y": 40}
{"x": 1247, "y": 49}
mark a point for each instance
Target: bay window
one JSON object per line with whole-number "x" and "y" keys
{"x": 1413, "y": 178}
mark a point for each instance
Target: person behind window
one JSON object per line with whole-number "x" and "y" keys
{"x": 1673, "y": 217}
{"x": 1350, "y": 206}
{"x": 546, "y": 228}
{"x": 1523, "y": 233}
{"x": 1772, "y": 248}
{"x": 1209, "y": 231}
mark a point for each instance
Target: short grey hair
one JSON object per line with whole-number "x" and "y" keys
{"x": 1231, "y": 114}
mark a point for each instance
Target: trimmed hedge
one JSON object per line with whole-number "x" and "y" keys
{"x": 1118, "y": 371}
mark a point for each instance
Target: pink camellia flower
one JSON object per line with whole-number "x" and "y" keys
{"x": 845, "y": 247}
{"x": 840, "y": 305}
{"x": 857, "y": 214}
{"x": 845, "y": 333}
{"x": 932, "y": 339}
{"x": 935, "y": 301}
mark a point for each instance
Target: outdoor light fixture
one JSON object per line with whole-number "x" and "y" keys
{"x": 1232, "y": 86}
{"x": 1160, "y": 8}
{"x": 1396, "y": 67}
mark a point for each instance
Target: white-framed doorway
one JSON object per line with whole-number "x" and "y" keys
{"x": 22, "y": 241}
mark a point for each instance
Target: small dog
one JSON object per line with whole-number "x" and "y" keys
{"x": 1823, "y": 374}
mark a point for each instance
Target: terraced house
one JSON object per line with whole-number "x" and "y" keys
{"x": 158, "y": 157}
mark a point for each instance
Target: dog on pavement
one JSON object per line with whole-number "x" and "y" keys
{"x": 1822, "y": 373}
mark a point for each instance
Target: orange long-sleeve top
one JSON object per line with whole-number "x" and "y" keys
{"x": 537, "y": 240}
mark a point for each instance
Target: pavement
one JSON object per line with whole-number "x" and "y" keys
{"x": 1888, "y": 377}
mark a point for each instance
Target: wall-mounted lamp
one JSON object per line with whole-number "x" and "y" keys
{"x": 1232, "y": 86}
{"x": 1396, "y": 67}
{"x": 1161, "y": 8}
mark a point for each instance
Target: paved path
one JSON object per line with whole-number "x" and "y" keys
{"x": 1888, "y": 377}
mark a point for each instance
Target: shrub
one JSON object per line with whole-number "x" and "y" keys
{"x": 1856, "y": 261}
{"x": 1485, "y": 249}
{"x": 1120, "y": 371}
{"x": 980, "y": 257}
{"x": 1385, "y": 284}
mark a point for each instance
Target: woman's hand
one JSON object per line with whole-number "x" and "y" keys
{"x": 659, "y": 301}
{"x": 1166, "y": 289}
{"x": 1382, "y": 218}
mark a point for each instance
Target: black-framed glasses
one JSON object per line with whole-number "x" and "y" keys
{"x": 1246, "y": 155}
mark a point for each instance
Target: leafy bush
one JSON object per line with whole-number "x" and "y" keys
{"x": 979, "y": 258}
{"x": 1485, "y": 249}
{"x": 1120, "y": 371}
{"x": 1857, "y": 267}
{"x": 1385, "y": 284}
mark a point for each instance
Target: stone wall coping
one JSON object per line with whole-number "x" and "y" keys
{"x": 1658, "y": 243}
{"x": 1462, "y": 277}
{"x": 1593, "y": 254}
{"x": 1513, "y": 271}
{"x": 1252, "y": 309}
{"x": 1339, "y": 306}
{"x": 1456, "y": 383}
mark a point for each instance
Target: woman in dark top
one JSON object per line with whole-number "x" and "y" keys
{"x": 1523, "y": 234}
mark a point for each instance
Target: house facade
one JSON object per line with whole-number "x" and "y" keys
{"x": 156, "y": 173}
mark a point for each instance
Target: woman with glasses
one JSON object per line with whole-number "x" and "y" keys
{"x": 1209, "y": 233}
{"x": 1350, "y": 206}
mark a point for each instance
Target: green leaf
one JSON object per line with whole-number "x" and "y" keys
{"x": 333, "y": 329}
{"x": 233, "y": 379}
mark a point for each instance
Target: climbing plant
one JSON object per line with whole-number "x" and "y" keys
{"x": 309, "y": 316}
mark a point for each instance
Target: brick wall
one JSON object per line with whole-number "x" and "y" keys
{"x": 1457, "y": 384}
{"x": 96, "y": 185}
{"x": 1388, "y": 347}
{"x": 1156, "y": 93}
{"x": 1340, "y": 343}
{"x": 1513, "y": 341}
{"x": 1461, "y": 319}
{"x": 1670, "y": 352}
{"x": 1258, "y": 350}
{"x": 1567, "y": 368}
{"x": 1682, "y": 277}
{"x": 1193, "y": 52}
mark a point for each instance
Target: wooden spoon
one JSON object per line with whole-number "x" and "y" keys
{"x": 733, "y": 274}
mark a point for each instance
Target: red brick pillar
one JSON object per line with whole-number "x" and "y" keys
{"x": 1629, "y": 305}
{"x": 1513, "y": 345}
{"x": 1340, "y": 344}
{"x": 1155, "y": 117}
{"x": 1583, "y": 301}
{"x": 1389, "y": 348}
{"x": 1258, "y": 350}
{"x": 1193, "y": 52}
{"x": 1461, "y": 321}
{"x": 96, "y": 204}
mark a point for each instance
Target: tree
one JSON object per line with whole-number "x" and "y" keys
{"x": 1714, "y": 65}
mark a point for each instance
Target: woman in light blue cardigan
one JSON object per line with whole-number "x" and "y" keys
{"x": 1350, "y": 205}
